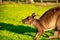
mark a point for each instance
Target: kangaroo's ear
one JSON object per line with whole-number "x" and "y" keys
{"x": 34, "y": 16}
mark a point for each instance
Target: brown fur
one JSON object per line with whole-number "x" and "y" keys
{"x": 58, "y": 26}
{"x": 49, "y": 20}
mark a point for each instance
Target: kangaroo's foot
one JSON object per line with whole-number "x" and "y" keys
{"x": 55, "y": 35}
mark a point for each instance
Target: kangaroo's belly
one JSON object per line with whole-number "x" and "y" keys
{"x": 49, "y": 29}
{"x": 49, "y": 26}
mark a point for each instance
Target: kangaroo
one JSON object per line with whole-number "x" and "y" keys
{"x": 48, "y": 21}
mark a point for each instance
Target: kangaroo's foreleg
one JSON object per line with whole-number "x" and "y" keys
{"x": 37, "y": 35}
{"x": 40, "y": 31}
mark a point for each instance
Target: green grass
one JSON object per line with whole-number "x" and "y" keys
{"x": 11, "y": 26}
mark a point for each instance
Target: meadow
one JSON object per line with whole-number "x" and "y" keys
{"x": 11, "y": 26}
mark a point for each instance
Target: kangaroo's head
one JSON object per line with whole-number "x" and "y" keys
{"x": 30, "y": 19}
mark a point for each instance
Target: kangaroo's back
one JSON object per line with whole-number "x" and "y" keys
{"x": 50, "y": 12}
{"x": 48, "y": 19}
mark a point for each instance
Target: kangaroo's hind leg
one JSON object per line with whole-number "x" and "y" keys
{"x": 58, "y": 27}
{"x": 55, "y": 34}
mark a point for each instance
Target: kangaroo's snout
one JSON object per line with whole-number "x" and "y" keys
{"x": 23, "y": 21}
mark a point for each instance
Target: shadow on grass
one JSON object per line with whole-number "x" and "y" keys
{"x": 21, "y": 29}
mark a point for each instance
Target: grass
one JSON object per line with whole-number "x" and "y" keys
{"x": 11, "y": 26}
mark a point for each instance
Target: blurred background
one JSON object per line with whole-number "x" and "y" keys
{"x": 30, "y": 1}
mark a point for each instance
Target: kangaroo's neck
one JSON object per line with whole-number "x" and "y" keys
{"x": 38, "y": 25}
